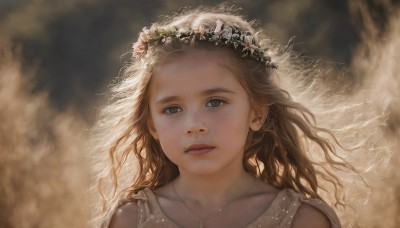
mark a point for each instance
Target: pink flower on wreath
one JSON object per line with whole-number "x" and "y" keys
{"x": 140, "y": 47}
{"x": 249, "y": 45}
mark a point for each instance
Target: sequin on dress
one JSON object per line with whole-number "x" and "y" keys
{"x": 279, "y": 214}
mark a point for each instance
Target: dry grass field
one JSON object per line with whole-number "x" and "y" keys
{"x": 45, "y": 168}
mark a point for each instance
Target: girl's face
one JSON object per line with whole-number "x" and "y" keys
{"x": 200, "y": 113}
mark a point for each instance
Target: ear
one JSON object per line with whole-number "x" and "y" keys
{"x": 258, "y": 117}
{"x": 152, "y": 129}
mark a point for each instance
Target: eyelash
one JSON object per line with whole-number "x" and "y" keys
{"x": 168, "y": 109}
{"x": 220, "y": 101}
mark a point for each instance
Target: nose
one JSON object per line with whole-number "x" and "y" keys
{"x": 195, "y": 123}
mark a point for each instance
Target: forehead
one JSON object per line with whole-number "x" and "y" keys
{"x": 195, "y": 70}
{"x": 194, "y": 57}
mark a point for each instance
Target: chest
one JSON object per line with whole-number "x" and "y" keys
{"x": 255, "y": 211}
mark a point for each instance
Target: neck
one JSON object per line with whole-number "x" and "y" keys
{"x": 216, "y": 189}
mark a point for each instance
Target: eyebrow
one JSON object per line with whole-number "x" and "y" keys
{"x": 207, "y": 92}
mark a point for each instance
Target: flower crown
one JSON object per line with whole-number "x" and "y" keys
{"x": 229, "y": 36}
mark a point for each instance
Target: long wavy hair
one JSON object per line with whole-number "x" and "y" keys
{"x": 290, "y": 150}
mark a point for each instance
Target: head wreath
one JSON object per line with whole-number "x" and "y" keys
{"x": 230, "y": 36}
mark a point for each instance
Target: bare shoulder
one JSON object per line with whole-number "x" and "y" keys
{"x": 309, "y": 216}
{"x": 125, "y": 216}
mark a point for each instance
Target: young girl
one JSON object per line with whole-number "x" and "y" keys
{"x": 200, "y": 135}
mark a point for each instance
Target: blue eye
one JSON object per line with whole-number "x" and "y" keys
{"x": 172, "y": 110}
{"x": 213, "y": 103}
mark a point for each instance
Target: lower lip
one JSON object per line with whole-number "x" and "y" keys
{"x": 200, "y": 152}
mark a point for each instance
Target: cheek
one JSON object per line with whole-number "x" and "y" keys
{"x": 168, "y": 133}
{"x": 232, "y": 123}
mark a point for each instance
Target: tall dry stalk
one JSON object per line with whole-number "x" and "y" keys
{"x": 377, "y": 63}
{"x": 43, "y": 174}
{"x": 365, "y": 117}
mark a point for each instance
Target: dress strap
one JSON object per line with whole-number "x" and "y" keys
{"x": 296, "y": 199}
{"x": 152, "y": 201}
{"x": 324, "y": 208}
{"x": 143, "y": 208}
{"x": 150, "y": 213}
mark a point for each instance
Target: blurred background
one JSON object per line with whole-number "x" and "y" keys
{"x": 57, "y": 58}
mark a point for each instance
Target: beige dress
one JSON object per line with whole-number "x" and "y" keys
{"x": 280, "y": 213}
